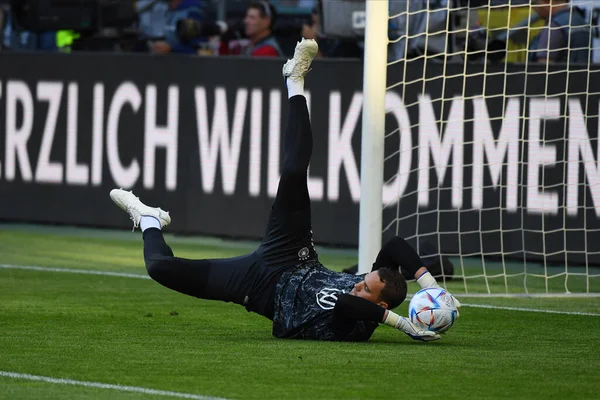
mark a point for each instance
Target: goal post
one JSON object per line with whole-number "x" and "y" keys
{"x": 373, "y": 132}
{"x": 471, "y": 146}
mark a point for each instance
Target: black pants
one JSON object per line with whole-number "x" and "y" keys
{"x": 251, "y": 280}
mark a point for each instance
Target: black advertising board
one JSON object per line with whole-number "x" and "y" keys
{"x": 201, "y": 137}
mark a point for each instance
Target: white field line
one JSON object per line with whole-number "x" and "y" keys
{"x": 531, "y": 310}
{"x": 99, "y": 385}
{"x": 140, "y": 276}
{"x": 75, "y": 271}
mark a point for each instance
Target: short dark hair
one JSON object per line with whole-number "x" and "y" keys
{"x": 395, "y": 289}
{"x": 265, "y": 9}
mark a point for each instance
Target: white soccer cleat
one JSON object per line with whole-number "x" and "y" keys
{"x": 298, "y": 67}
{"x": 136, "y": 209}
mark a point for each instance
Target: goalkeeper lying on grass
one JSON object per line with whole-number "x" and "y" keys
{"x": 283, "y": 279}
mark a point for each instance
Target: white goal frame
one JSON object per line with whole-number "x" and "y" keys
{"x": 373, "y": 132}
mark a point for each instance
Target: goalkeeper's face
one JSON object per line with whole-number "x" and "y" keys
{"x": 370, "y": 289}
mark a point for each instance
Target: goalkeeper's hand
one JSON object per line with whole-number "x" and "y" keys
{"x": 406, "y": 326}
{"x": 428, "y": 281}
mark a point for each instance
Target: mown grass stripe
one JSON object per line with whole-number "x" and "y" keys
{"x": 140, "y": 276}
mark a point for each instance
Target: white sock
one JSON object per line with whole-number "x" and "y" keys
{"x": 295, "y": 88}
{"x": 148, "y": 222}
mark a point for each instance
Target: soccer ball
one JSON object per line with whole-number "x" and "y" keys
{"x": 433, "y": 309}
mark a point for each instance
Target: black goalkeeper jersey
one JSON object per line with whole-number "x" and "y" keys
{"x": 304, "y": 305}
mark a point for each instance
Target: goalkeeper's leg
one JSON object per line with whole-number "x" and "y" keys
{"x": 228, "y": 279}
{"x": 288, "y": 238}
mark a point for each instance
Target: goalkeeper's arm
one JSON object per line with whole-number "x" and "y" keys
{"x": 350, "y": 307}
{"x": 398, "y": 253}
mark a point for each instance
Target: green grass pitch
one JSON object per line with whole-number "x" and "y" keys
{"x": 133, "y": 332}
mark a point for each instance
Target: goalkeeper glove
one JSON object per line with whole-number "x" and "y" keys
{"x": 405, "y": 325}
{"x": 428, "y": 281}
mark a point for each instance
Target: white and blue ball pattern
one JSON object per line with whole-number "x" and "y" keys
{"x": 433, "y": 309}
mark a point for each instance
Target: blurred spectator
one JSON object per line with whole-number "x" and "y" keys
{"x": 327, "y": 47}
{"x": 306, "y": 4}
{"x": 311, "y": 30}
{"x": 310, "y": 4}
{"x": 259, "y": 22}
{"x": 16, "y": 38}
{"x": 505, "y": 32}
{"x": 152, "y": 18}
{"x": 178, "y": 10}
{"x": 417, "y": 27}
{"x": 566, "y": 36}
{"x": 592, "y": 14}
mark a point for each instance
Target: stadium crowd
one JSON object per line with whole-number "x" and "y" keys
{"x": 547, "y": 30}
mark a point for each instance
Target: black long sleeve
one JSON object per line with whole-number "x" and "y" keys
{"x": 350, "y": 307}
{"x": 398, "y": 253}
{"x": 355, "y": 319}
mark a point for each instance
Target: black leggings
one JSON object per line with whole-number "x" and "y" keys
{"x": 250, "y": 280}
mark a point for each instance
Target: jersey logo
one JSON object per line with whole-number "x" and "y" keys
{"x": 327, "y": 298}
{"x": 303, "y": 254}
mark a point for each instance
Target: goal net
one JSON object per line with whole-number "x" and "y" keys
{"x": 491, "y": 143}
